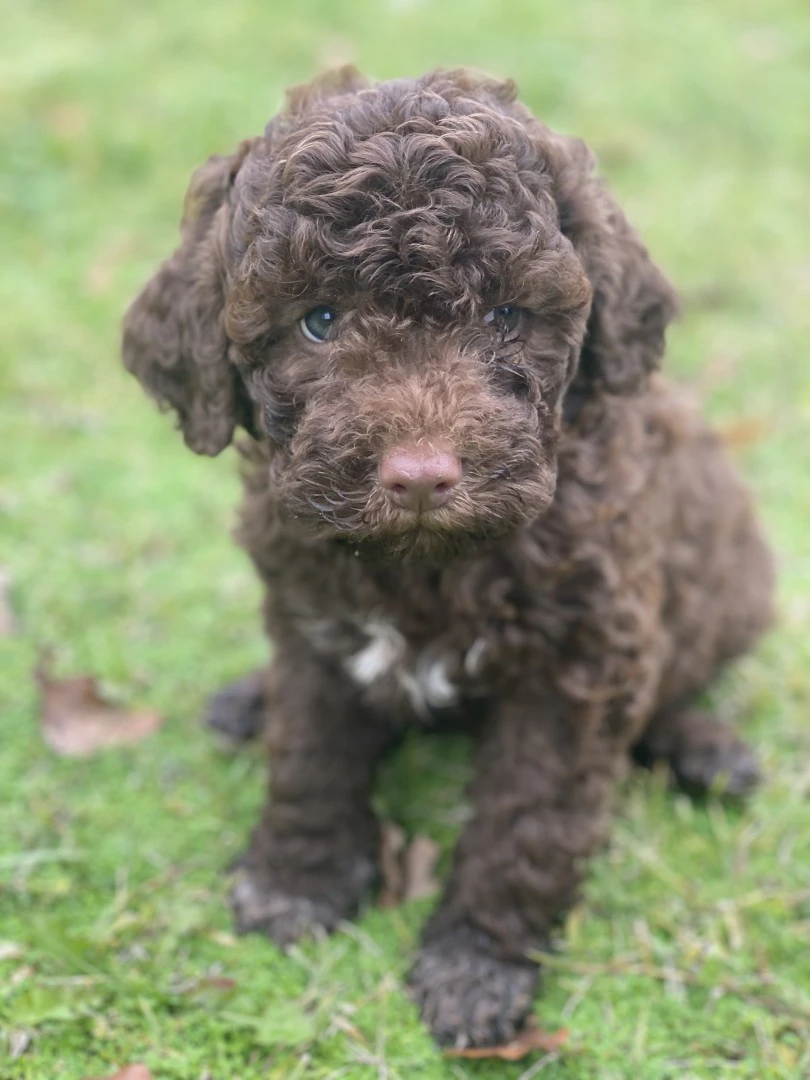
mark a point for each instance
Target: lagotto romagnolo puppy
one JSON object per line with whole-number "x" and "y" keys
{"x": 469, "y": 497}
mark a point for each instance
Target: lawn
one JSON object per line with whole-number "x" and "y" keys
{"x": 690, "y": 953}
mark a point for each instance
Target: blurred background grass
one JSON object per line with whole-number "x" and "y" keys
{"x": 689, "y": 956}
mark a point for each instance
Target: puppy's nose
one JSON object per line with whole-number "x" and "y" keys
{"x": 421, "y": 476}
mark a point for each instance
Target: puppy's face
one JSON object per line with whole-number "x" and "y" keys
{"x": 407, "y": 315}
{"x": 394, "y": 286}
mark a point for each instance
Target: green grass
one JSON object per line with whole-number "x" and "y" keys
{"x": 690, "y": 955}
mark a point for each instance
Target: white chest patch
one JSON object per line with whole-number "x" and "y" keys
{"x": 424, "y": 678}
{"x": 385, "y": 650}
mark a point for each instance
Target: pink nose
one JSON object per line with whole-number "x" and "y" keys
{"x": 420, "y": 476}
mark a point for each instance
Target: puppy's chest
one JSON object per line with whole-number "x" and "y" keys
{"x": 432, "y": 675}
{"x": 426, "y": 656}
{"x": 393, "y": 668}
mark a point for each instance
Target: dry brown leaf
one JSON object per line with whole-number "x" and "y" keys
{"x": 130, "y": 1072}
{"x": 8, "y": 623}
{"x": 406, "y": 869}
{"x": 392, "y": 846}
{"x": 77, "y": 721}
{"x": 532, "y": 1038}
{"x": 207, "y": 982}
{"x": 743, "y": 433}
{"x": 419, "y": 864}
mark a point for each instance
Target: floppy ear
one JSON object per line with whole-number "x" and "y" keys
{"x": 174, "y": 337}
{"x": 632, "y": 300}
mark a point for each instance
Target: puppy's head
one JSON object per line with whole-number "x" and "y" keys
{"x": 396, "y": 286}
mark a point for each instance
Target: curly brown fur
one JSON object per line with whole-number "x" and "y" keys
{"x": 595, "y": 566}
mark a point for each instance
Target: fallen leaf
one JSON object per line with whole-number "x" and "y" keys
{"x": 392, "y": 846}
{"x": 77, "y": 721}
{"x": 8, "y": 623}
{"x": 743, "y": 433}
{"x": 129, "y": 1072}
{"x": 220, "y": 983}
{"x": 406, "y": 869}
{"x": 530, "y": 1039}
{"x": 419, "y": 864}
{"x": 217, "y": 982}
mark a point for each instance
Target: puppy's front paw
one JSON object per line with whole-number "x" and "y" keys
{"x": 467, "y": 996}
{"x": 259, "y": 907}
{"x": 237, "y": 712}
{"x": 286, "y": 910}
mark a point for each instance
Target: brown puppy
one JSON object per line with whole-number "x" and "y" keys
{"x": 468, "y": 496}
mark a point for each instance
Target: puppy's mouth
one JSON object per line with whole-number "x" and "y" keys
{"x": 431, "y": 534}
{"x": 439, "y": 523}
{"x": 420, "y": 542}
{"x": 462, "y": 528}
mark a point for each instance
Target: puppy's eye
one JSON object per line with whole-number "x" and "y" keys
{"x": 505, "y": 318}
{"x": 317, "y": 324}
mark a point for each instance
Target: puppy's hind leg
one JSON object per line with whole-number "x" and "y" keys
{"x": 237, "y": 712}
{"x": 720, "y": 602}
{"x": 704, "y": 753}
